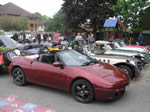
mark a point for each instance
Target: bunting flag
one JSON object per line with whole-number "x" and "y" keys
{"x": 121, "y": 24}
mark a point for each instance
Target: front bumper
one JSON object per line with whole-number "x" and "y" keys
{"x": 147, "y": 58}
{"x": 139, "y": 68}
{"x": 138, "y": 71}
{"x": 110, "y": 94}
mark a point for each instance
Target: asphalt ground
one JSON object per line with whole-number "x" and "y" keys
{"x": 136, "y": 99}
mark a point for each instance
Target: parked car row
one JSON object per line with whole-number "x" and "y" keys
{"x": 96, "y": 73}
{"x": 129, "y": 59}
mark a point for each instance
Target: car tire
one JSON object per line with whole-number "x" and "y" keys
{"x": 127, "y": 70}
{"x": 19, "y": 76}
{"x": 8, "y": 57}
{"x": 83, "y": 91}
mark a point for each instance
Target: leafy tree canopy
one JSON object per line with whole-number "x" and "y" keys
{"x": 77, "y": 12}
{"x": 145, "y": 19}
{"x": 130, "y": 12}
{"x": 40, "y": 17}
{"x": 56, "y": 23}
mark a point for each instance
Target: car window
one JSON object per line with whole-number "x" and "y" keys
{"x": 120, "y": 44}
{"x": 111, "y": 46}
{"x": 8, "y": 42}
{"x": 123, "y": 44}
{"x": 116, "y": 45}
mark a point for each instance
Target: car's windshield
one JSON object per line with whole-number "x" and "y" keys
{"x": 119, "y": 44}
{"x": 74, "y": 58}
{"x": 111, "y": 46}
{"x": 9, "y": 42}
{"x": 122, "y": 44}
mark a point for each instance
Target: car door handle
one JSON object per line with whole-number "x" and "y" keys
{"x": 31, "y": 62}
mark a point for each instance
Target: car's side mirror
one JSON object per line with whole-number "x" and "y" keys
{"x": 57, "y": 64}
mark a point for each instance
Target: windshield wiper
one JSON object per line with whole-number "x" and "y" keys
{"x": 86, "y": 63}
{"x": 91, "y": 61}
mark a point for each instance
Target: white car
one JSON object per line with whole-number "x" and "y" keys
{"x": 130, "y": 65}
{"x": 8, "y": 34}
{"x": 119, "y": 44}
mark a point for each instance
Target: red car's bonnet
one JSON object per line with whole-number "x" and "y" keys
{"x": 100, "y": 73}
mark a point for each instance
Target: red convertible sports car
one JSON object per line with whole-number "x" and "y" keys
{"x": 68, "y": 70}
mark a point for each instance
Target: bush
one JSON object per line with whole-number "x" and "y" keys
{"x": 8, "y": 23}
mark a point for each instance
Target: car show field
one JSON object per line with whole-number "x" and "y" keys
{"x": 137, "y": 95}
{"x": 102, "y": 76}
{"x": 75, "y": 56}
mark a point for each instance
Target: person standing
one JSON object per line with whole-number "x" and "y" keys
{"x": 84, "y": 35}
{"x": 141, "y": 39}
{"x": 79, "y": 36}
{"x": 75, "y": 43}
{"x": 24, "y": 36}
{"x": 73, "y": 36}
{"x": 49, "y": 37}
{"x": 81, "y": 40}
{"x": 90, "y": 39}
{"x": 38, "y": 38}
{"x": 15, "y": 37}
{"x": 45, "y": 36}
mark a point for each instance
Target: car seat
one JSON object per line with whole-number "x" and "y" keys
{"x": 49, "y": 59}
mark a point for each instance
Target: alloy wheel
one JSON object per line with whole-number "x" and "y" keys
{"x": 83, "y": 91}
{"x": 18, "y": 76}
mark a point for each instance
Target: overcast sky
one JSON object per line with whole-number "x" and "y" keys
{"x": 45, "y": 7}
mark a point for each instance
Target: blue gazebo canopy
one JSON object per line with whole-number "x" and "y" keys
{"x": 110, "y": 23}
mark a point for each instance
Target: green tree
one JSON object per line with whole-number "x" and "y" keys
{"x": 56, "y": 23}
{"x": 145, "y": 19}
{"x": 130, "y": 12}
{"x": 40, "y": 17}
{"x": 8, "y": 23}
{"x": 77, "y": 12}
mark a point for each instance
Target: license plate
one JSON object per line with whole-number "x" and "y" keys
{"x": 126, "y": 88}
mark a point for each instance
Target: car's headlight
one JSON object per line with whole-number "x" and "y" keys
{"x": 128, "y": 60}
{"x": 132, "y": 61}
{"x": 142, "y": 59}
{"x": 145, "y": 50}
{"x": 140, "y": 54}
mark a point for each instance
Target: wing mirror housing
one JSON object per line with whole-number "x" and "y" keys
{"x": 57, "y": 64}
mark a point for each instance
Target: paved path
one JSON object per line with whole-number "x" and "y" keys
{"x": 137, "y": 99}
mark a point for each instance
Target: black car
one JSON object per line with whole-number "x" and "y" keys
{"x": 10, "y": 48}
{"x": 7, "y": 47}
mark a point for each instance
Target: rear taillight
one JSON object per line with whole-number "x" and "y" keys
{"x": 1, "y": 59}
